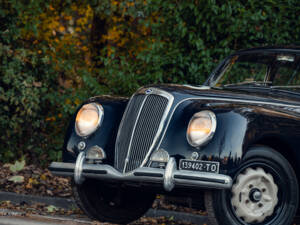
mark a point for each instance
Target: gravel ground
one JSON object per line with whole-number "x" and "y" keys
{"x": 36, "y": 181}
{"x": 40, "y": 182}
{"x": 44, "y": 210}
{"x": 33, "y": 180}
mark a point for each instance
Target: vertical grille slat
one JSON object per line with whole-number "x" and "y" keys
{"x": 144, "y": 133}
{"x": 139, "y": 129}
{"x": 127, "y": 129}
{"x": 146, "y": 129}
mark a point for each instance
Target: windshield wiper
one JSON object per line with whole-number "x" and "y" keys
{"x": 258, "y": 85}
{"x": 282, "y": 89}
{"x": 255, "y": 83}
{"x": 287, "y": 87}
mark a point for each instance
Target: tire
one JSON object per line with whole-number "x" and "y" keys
{"x": 110, "y": 204}
{"x": 269, "y": 190}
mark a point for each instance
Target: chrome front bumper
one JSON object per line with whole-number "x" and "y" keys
{"x": 169, "y": 177}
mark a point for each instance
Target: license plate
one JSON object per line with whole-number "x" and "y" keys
{"x": 199, "y": 165}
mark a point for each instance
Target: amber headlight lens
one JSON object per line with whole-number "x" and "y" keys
{"x": 201, "y": 128}
{"x": 88, "y": 119}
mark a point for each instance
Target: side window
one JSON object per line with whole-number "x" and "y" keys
{"x": 287, "y": 76}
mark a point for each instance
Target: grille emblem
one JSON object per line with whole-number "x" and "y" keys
{"x": 148, "y": 91}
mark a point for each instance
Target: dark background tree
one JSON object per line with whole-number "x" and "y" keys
{"x": 54, "y": 54}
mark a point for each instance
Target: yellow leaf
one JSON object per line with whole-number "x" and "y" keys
{"x": 77, "y": 101}
{"x": 129, "y": 4}
{"x": 114, "y": 3}
{"x": 43, "y": 177}
{"x": 68, "y": 101}
{"x": 61, "y": 28}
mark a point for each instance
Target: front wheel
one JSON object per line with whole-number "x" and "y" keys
{"x": 264, "y": 192}
{"x": 111, "y": 204}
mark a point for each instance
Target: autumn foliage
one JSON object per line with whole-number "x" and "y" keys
{"x": 54, "y": 54}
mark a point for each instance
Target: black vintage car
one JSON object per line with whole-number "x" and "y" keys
{"x": 236, "y": 139}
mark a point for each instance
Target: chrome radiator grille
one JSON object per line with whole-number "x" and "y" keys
{"x": 140, "y": 126}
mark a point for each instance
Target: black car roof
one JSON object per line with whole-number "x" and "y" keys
{"x": 283, "y": 49}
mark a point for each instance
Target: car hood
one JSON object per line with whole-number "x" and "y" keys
{"x": 252, "y": 94}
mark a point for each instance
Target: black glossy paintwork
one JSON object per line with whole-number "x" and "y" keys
{"x": 244, "y": 117}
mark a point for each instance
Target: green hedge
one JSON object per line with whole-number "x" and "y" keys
{"x": 183, "y": 43}
{"x": 192, "y": 36}
{"x": 34, "y": 106}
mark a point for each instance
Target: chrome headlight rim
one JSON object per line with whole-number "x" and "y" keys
{"x": 205, "y": 140}
{"x": 100, "y": 112}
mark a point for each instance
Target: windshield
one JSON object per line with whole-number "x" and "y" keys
{"x": 269, "y": 69}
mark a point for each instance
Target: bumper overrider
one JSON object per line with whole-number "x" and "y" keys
{"x": 169, "y": 177}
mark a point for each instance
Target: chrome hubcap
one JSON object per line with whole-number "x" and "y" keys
{"x": 254, "y": 195}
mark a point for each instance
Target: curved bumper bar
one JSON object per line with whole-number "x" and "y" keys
{"x": 169, "y": 177}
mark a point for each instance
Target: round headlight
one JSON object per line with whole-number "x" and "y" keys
{"x": 201, "y": 128}
{"x": 88, "y": 119}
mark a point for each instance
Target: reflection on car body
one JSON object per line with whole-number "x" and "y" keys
{"x": 235, "y": 139}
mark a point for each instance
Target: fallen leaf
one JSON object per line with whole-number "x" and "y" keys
{"x": 37, "y": 84}
{"x": 16, "y": 179}
{"x": 18, "y": 166}
{"x": 29, "y": 186}
{"x": 43, "y": 177}
{"x": 51, "y": 208}
{"x": 49, "y": 192}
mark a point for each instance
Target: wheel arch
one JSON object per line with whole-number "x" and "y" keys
{"x": 283, "y": 147}
{"x": 262, "y": 152}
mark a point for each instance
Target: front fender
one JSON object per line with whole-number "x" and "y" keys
{"x": 226, "y": 145}
{"x": 104, "y": 136}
